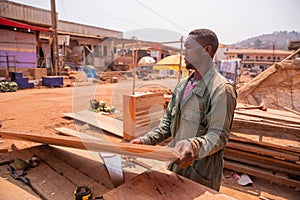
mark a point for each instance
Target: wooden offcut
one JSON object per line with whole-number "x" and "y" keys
{"x": 157, "y": 185}
{"x": 141, "y": 113}
{"x": 100, "y": 121}
{"x": 144, "y": 151}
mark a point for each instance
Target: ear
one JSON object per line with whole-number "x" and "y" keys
{"x": 208, "y": 49}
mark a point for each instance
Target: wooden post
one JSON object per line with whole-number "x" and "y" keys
{"x": 54, "y": 36}
{"x": 133, "y": 65}
{"x": 7, "y": 62}
{"x": 180, "y": 59}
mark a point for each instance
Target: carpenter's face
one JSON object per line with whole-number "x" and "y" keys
{"x": 195, "y": 55}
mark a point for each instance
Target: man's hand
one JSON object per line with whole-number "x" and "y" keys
{"x": 136, "y": 141}
{"x": 184, "y": 147}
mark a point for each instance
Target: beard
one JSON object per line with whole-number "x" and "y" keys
{"x": 188, "y": 65}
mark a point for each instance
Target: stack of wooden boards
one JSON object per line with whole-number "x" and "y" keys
{"x": 265, "y": 144}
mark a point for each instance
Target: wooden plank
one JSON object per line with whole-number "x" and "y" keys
{"x": 263, "y": 151}
{"x": 259, "y": 163}
{"x": 248, "y": 139}
{"x": 106, "y": 123}
{"x": 8, "y": 190}
{"x": 159, "y": 185}
{"x": 59, "y": 172}
{"x": 144, "y": 151}
{"x": 274, "y": 130}
{"x": 267, "y": 121}
{"x": 260, "y": 173}
{"x": 265, "y": 115}
{"x": 263, "y": 159}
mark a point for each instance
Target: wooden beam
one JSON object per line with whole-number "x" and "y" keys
{"x": 261, "y": 164}
{"x": 144, "y": 151}
{"x": 263, "y": 159}
{"x": 260, "y": 173}
{"x": 263, "y": 151}
{"x": 246, "y": 139}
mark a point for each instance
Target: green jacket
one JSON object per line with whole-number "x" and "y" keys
{"x": 204, "y": 119}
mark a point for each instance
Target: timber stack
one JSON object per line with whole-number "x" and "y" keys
{"x": 265, "y": 144}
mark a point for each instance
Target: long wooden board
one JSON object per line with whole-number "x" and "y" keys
{"x": 144, "y": 151}
{"x": 263, "y": 151}
{"x": 106, "y": 123}
{"x": 157, "y": 185}
{"x": 261, "y": 164}
{"x": 279, "y": 144}
{"x": 257, "y": 172}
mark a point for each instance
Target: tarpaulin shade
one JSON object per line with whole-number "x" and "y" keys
{"x": 170, "y": 63}
{"x": 146, "y": 60}
{"x": 11, "y": 23}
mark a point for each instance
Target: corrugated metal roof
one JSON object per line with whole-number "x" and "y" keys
{"x": 42, "y": 17}
{"x": 26, "y": 13}
{"x": 258, "y": 51}
{"x": 72, "y": 27}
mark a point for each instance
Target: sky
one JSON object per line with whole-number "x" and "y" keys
{"x": 167, "y": 20}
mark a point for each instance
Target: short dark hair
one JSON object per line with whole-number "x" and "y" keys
{"x": 207, "y": 37}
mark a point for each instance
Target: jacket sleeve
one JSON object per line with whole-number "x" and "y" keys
{"x": 219, "y": 120}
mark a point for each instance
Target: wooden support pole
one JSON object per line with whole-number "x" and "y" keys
{"x": 54, "y": 36}
{"x": 180, "y": 59}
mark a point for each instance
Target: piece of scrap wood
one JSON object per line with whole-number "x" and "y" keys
{"x": 106, "y": 123}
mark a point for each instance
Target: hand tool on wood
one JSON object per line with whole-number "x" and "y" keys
{"x": 138, "y": 162}
{"x": 6, "y": 162}
{"x": 84, "y": 193}
{"x": 20, "y": 175}
{"x": 112, "y": 162}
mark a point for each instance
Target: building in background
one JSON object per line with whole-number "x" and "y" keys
{"x": 26, "y": 38}
{"x": 257, "y": 58}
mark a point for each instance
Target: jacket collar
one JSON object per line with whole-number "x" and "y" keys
{"x": 203, "y": 83}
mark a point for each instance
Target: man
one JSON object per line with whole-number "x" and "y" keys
{"x": 199, "y": 115}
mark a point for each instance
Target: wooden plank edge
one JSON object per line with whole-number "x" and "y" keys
{"x": 144, "y": 151}
{"x": 84, "y": 119}
{"x": 253, "y": 171}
